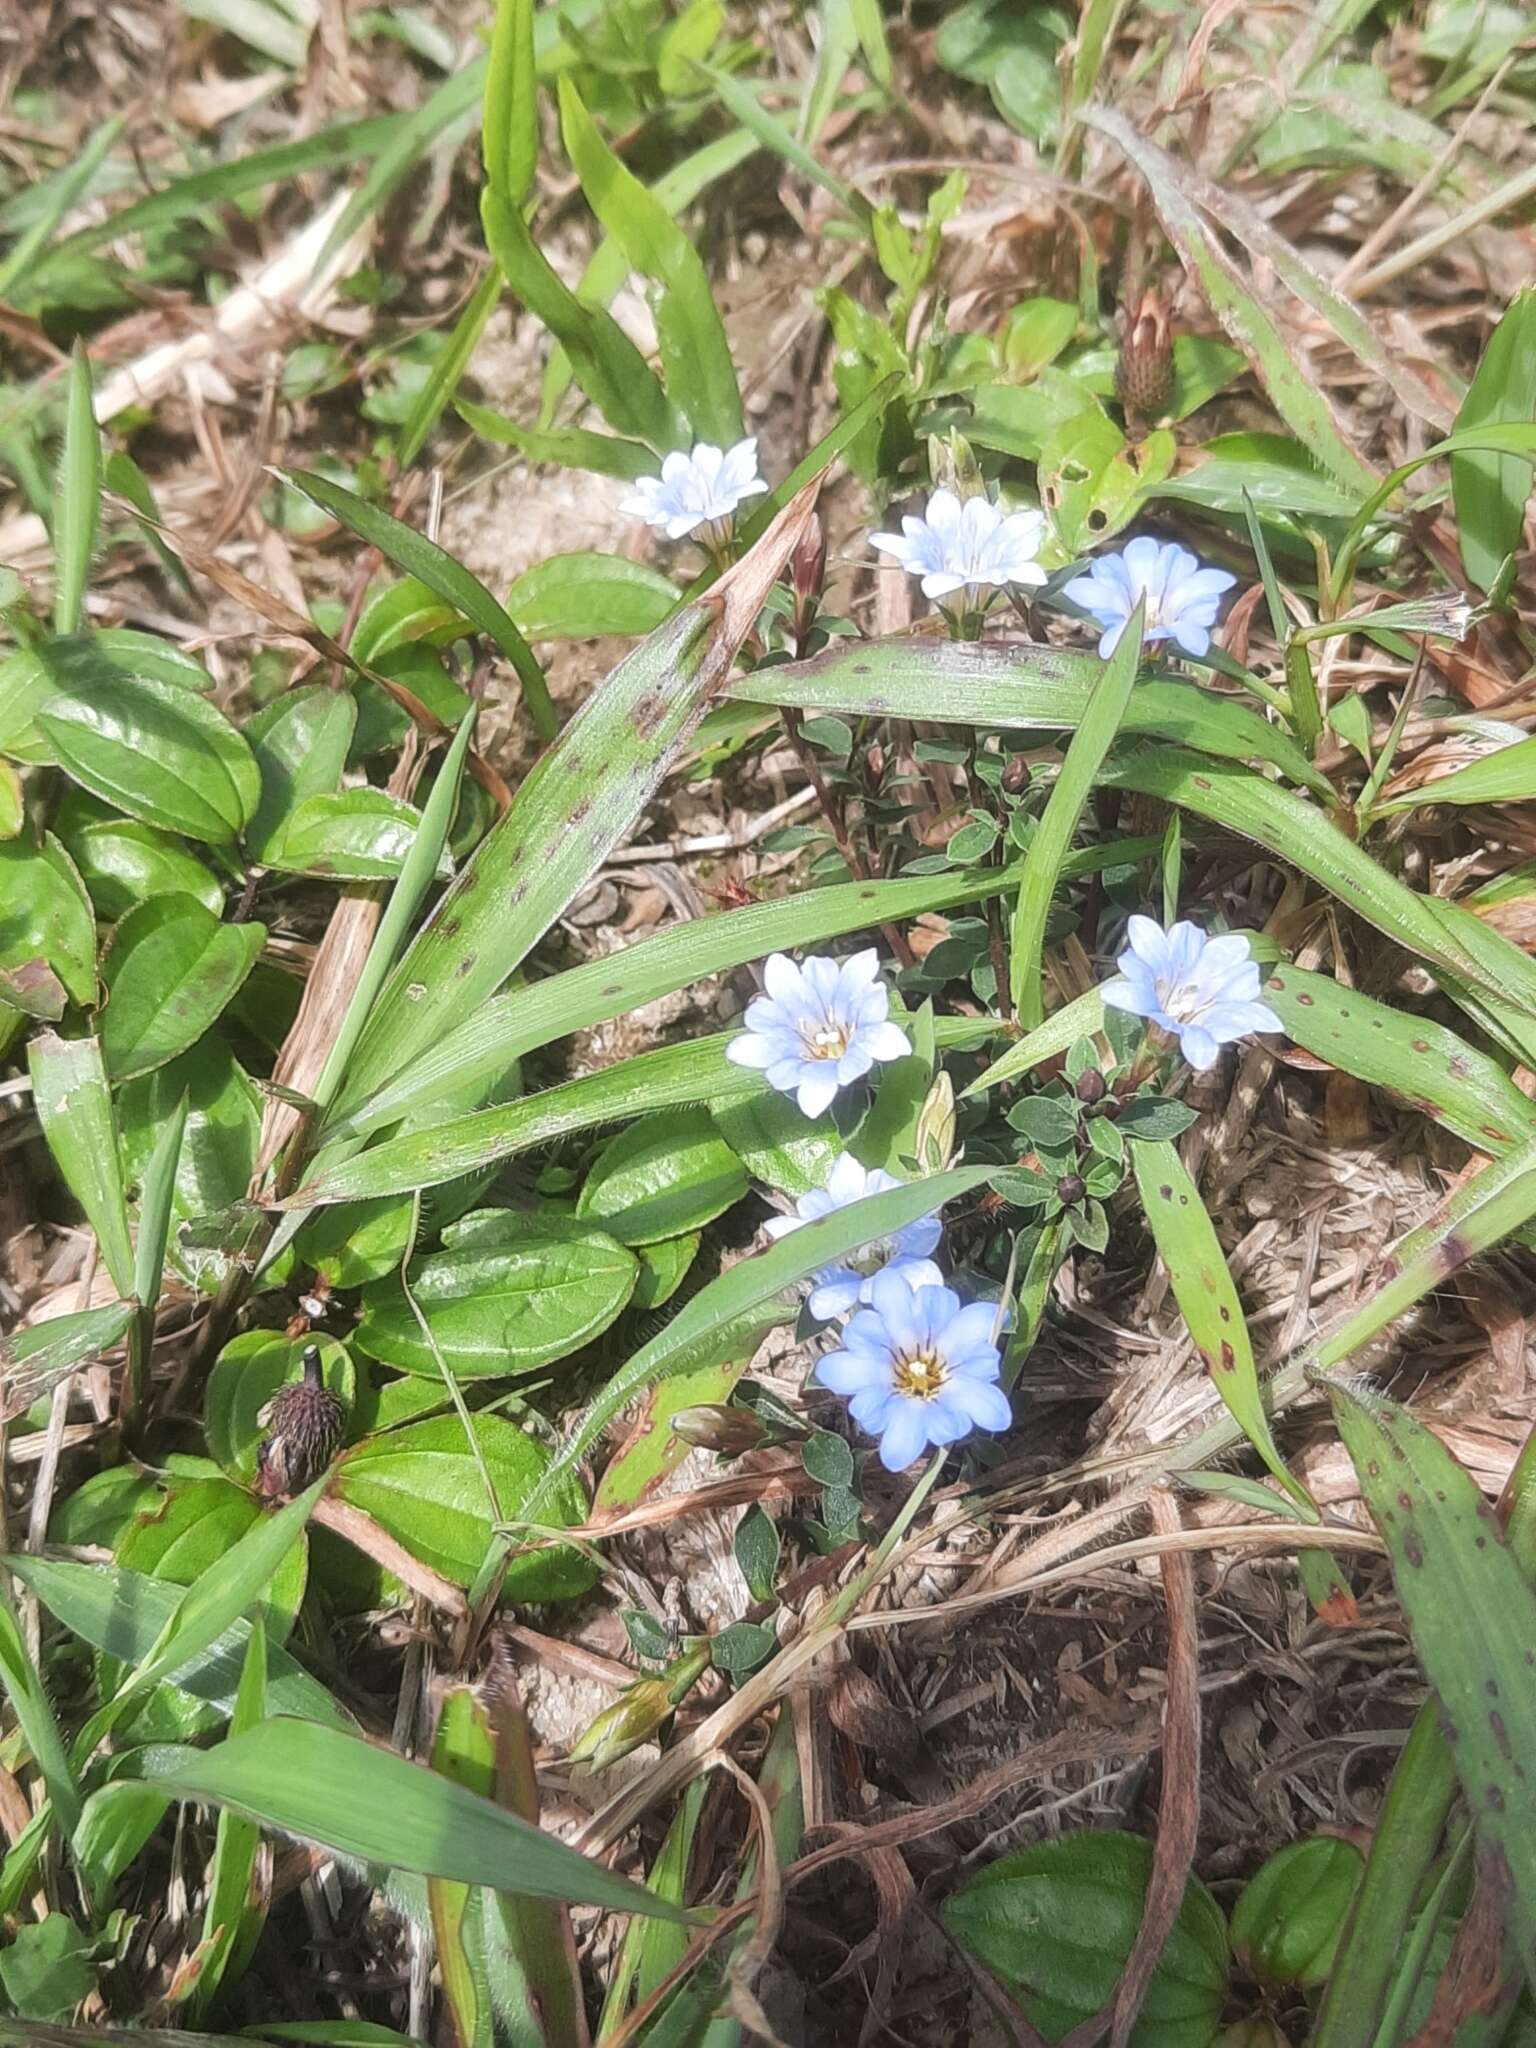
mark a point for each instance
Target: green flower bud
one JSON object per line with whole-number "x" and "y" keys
{"x": 1286, "y": 1925}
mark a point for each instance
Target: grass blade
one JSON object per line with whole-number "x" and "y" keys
{"x": 364, "y": 1801}
{"x": 231, "y": 1924}
{"x": 72, "y": 181}
{"x": 1490, "y": 491}
{"x": 69, "y": 1092}
{"x": 580, "y": 800}
{"x": 454, "y": 100}
{"x": 435, "y": 567}
{"x": 1507, "y": 776}
{"x": 740, "y": 98}
{"x": 449, "y": 367}
{"x": 1101, "y": 720}
{"x": 1473, "y": 1617}
{"x": 28, "y": 1695}
{"x": 77, "y": 504}
{"x": 156, "y": 1193}
{"x": 34, "y": 1358}
{"x": 510, "y": 131}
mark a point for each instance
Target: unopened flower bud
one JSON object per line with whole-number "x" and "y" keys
{"x": 1144, "y": 377}
{"x": 1071, "y": 1188}
{"x": 1015, "y": 775}
{"x": 638, "y": 1713}
{"x": 1090, "y": 1086}
{"x": 305, "y": 1425}
{"x": 808, "y": 565}
{"x": 714, "y": 1427}
{"x": 874, "y": 756}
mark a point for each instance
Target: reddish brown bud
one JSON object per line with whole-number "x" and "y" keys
{"x": 1071, "y": 1188}
{"x": 1015, "y": 775}
{"x": 808, "y": 564}
{"x": 714, "y": 1427}
{"x": 1090, "y": 1086}
{"x": 305, "y": 1425}
{"x": 1144, "y": 377}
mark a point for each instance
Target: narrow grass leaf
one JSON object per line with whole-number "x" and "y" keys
{"x": 364, "y": 1801}
{"x": 509, "y": 139}
{"x": 695, "y": 355}
{"x": 1507, "y": 776}
{"x": 437, "y": 569}
{"x": 448, "y": 367}
{"x": 231, "y": 1923}
{"x": 454, "y": 100}
{"x": 1015, "y": 689}
{"x": 1101, "y": 720}
{"x": 35, "y": 1357}
{"x": 74, "y": 1107}
{"x": 826, "y": 451}
{"x": 77, "y": 502}
{"x": 128, "y": 481}
{"x": 63, "y": 192}
{"x": 576, "y": 805}
{"x": 157, "y": 1191}
{"x": 28, "y": 1695}
{"x": 1293, "y": 390}
{"x": 1516, "y": 437}
{"x": 741, "y": 99}
{"x": 1473, "y": 1617}
{"x": 568, "y": 447}
{"x": 1208, "y": 1301}
{"x": 1490, "y": 491}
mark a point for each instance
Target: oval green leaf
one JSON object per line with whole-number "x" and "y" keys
{"x": 170, "y": 974}
{"x": 665, "y": 1174}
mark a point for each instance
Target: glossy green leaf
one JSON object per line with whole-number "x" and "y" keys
{"x": 533, "y": 1291}
{"x": 1490, "y": 492}
{"x": 434, "y": 566}
{"x": 153, "y": 749}
{"x": 45, "y": 915}
{"x": 123, "y": 863}
{"x": 1101, "y": 720}
{"x": 576, "y": 805}
{"x": 77, "y": 501}
{"x": 69, "y": 1091}
{"x": 351, "y": 835}
{"x": 578, "y": 597}
{"x": 218, "y": 1155}
{"x": 172, "y": 971}
{"x": 123, "y": 1613}
{"x": 247, "y": 1374}
{"x": 695, "y": 355}
{"x": 366, "y": 1802}
{"x": 663, "y": 1175}
{"x": 424, "y": 1485}
{"x": 300, "y": 741}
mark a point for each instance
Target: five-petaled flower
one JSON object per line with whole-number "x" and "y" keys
{"x": 1204, "y": 991}
{"x": 702, "y": 488}
{"x": 819, "y": 1027}
{"x": 836, "y": 1289}
{"x": 918, "y": 1369}
{"x": 1182, "y": 598}
{"x": 971, "y": 546}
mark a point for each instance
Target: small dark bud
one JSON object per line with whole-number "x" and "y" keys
{"x": 713, "y": 1427}
{"x": 1015, "y": 775}
{"x": 808, "y": 564}
{"x": 1071, "y": 1188}
{"x": 1090, "y": 1086}
{"x": 875, "y": 759}
{"x": 1144, "y": 378}
{"x": 305, "y": 1424}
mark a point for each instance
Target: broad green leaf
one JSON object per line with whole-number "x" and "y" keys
{"x": 695, "y": 355}
{"x": 122, "y": 1613}
{"x": 300, "y": 741}
{"x": 425, "y": 1486}
{"x": 123, "y": 863}
{"x": 580, "y": 799}
{"x": 663, "y": 1175}
{"x": 1473, "y": 1616}
{"x": 116, "y": 1823}
{"x": 77, "y": 501}
{"x": 247, "y": 1374}
{"x": 1506, "y": 776}
{"x": 397, "y": 618}
{"x": 1014, "y": 689}
{"x": 69, "y": 1092}
{"x": 578, "y": 597}
{"x": 534, "y": 1289}
{"x": 172, "y": 970}
{"x": 1293, "y": 389}
{"x": 47, "y": 1968}
{"x": 28, "y": 1695}
{"x": 45, "y": 915}
{"x": 366, "y": 1802}
{"x": 349, "y": 835}
{"x": 434, "y": 566}
{"x": 1101, "y": 720}
{"x": 150, "y": 747}
{"x": 482, "y": 1048}
{"x": 218, "y": 1156}
{"x": 1208, "y": 1301}
{"x": 1490, "y": 492}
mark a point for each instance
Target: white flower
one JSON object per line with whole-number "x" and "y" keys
{"x": 840, "y": 1288}
{"x": 1204, "y": 991}
{"x": 698, "y": 488}
{"x": 1182, "y": 598}
{"x": 966, "y": 546}
{"x": 819, "y": 1027}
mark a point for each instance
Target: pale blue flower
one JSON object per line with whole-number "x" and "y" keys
{"x": 966, "y": 546}
{"x": 918, "y": 1369}
{"x": 1204, "y": 991}
{"x": 840, "y": 1288}
{"x": 819, "y": 1027}
{"x": 699, "y": 489}
{"x": 1182, "y": 598}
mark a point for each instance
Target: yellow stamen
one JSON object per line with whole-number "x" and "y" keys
{"x": 829, "y": 1042}
{"x": 919, "y": 1378}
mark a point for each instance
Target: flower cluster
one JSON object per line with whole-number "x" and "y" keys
{"x": 837, "y": 1289}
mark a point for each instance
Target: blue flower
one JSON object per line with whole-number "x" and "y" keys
{"x": 972, "y": 546}
{"x": 840, "y": 1288}
{"x": 819, "y": 1027}
{"x": 1182, "y": 598}
{"x": 918, "y": 1369}
{"x": 1204, "y": 991}
{"x": 702, "y": 488}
